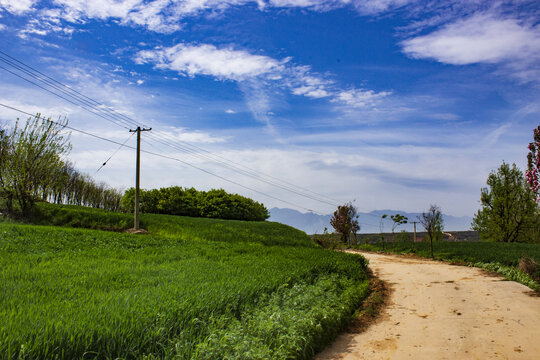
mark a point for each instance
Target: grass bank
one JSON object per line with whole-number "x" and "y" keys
{"x": 193, "y": 289}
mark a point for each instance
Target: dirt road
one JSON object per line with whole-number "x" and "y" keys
{"x": 441, "y": 311}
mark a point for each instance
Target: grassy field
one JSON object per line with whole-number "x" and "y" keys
{"x": 470, "y": 252}
{"x": 500, "y": 257}
{"x": 192, "y": 289}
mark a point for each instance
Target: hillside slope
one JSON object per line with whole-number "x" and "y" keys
{"x": 192, "y": 289}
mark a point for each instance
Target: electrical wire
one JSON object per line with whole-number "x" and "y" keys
{"x": 99, "y": 109}
{"x": 114, "y": 153}
{"x": 170, "y": 158}
{"x": 115, "y": 117}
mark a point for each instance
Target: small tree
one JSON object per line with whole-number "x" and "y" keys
{"x": 33, "y": 157}
{"x": 345, "y": 222}
{"x": 508, "y": 207}
{"x": 532, "y": 174}
{"x": 433, "y": 223}
{"x": 381, "y": 228}
{"x": 398, "y": 219}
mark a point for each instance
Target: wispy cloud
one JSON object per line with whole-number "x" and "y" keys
{"x": 360, "y": 98}
{"x": 165, "y": 16}
{"x": 191, "y": 136}
{"x": 259, "y": 77}
{"x": 373, "y": 7}
{"x": 240, "y": 65}
{"x": 17, "y": 6}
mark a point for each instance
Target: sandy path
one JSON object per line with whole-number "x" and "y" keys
{"x": 440, "y": 311}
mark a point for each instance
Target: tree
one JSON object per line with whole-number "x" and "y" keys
{"x": 433, "y": 223}
{"x": 398, "y": 219}
{"x": 532, "y": 174}
{"x": 33, "y": 157}
{"x": 345, "y": 222}
{"x": 381, "y": 228}
{"x": 5, "y": 151}
{"x": 508, "y": 207}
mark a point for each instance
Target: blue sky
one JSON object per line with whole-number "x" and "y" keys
{"x": 394, "y": 103}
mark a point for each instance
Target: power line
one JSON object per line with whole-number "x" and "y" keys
{"x": 113, "y": 116}
{"x": 170, "y": 158}
{"x": 114, "y": 153}
{"x": 60, "y": 96}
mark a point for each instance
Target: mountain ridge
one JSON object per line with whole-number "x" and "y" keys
{"x": 369, "y": 222}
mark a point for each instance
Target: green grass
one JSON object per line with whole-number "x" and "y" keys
{"x": 504, "y": 253}
{"x": 192, "y": 289}
{"x": 494, "y": 256}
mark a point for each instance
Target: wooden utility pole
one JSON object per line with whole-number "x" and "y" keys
{"x": 414, "y": 224}
{"x": 137, "y": 175}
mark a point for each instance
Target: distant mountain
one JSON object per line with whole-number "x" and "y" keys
{"x": 369, "y": 222}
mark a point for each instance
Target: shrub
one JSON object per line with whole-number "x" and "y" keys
{"x": 217, "y": 204}
{"x": 529, "y": 266}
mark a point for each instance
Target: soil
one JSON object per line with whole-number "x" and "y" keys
{"x": 440, "y": 311}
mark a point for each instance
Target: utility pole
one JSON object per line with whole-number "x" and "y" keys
{"x": 137, "y": 175}
{"x": 414, "y": 224}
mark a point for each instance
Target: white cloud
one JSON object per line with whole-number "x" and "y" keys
{"x": 360, "y": 97}
{"x": 311, "y": 91}
{"x": 77, "y": 10}
{"x": 140, "y": 82}
{"x": 165, "y": 16}
{"x": 17, "y": 6}
{"x": 259, "y": 77}
{"x": 191, "y": 136}
{"x": 480, "y": 38}
{"x": 204, "y": 59}
{"x": 372, "y": 7}
{"x": 230, "y": 111}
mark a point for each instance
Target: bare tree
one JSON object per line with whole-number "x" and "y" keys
{"x": 433, "y": 223}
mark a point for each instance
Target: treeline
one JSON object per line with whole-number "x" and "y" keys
{"x": 72, "y": 187}
{"x": 190, "y": 202}
{"x": 32, "y": 168}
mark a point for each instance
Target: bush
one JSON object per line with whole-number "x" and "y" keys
{"x": 217, "y": 204}
{"x": 530, "y": 267}
{"x": 403, "y": 236}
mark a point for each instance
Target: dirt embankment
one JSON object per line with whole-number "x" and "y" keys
{"x": 441, "y": 311}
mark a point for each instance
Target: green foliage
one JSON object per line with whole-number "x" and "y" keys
{"x": 31, "y": 156}
{"x": 217, "y": 204}
{"x": 510, "y": 273}
{"x": 495, "y": 256}
{"x": 398, "y": 219}
{"x": 504, "y": 253}
{"x": 403, "y": 236}
{"x": 278, "y": 326}
{"x": 328, "y": 241}
{"x": 196, "y": 288}
{"x": 32, "y": 169}
{"x": 509, "y": 212}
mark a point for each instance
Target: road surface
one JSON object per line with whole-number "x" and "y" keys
{"x": 442, "y": 311}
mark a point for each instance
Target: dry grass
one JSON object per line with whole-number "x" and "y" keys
{"x": 529, "y": 266}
